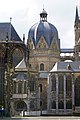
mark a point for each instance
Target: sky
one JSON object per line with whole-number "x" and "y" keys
{"x": 25, "y": 13}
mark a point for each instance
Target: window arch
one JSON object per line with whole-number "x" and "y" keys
{"x": 40, "y": 85}
{"x": 53, "y": 105}
{"x": 77, "y": 91}
{"x": 69, "y": 104}
{"x": 20, "y": 87}
{"x": 41, "y": 67}
{"x": 17, "y": 56}
{"x": 53, "y": 80}
{"x": 61, "y": 105}
{"x": 21, "y": 105}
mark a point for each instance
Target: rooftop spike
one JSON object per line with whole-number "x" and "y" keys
{"x": 76, "y": 16}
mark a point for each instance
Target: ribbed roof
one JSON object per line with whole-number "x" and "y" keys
{"x": 8, "y": 29}
{"x": 45, "y": 29}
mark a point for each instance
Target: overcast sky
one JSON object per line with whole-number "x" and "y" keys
{"x": 25, "y": 13}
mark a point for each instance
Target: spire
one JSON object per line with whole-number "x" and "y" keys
{"x": 76, "y": 16}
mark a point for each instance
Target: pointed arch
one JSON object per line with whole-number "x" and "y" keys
{"x": 42, "y": 43}
{"x": 17, "y": 56}
{"x": 21, "y": 105}
{"x": 31, "y": 44}
{"x": 77, "y": 91}
{"x": 54, "y": 44}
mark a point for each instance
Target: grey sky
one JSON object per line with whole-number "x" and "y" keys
{"x": 25, "y": 13}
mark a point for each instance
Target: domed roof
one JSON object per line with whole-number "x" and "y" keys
{"x": 43, "y": 28}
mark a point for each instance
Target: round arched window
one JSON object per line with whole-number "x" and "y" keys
{"x": 41, "y": 67}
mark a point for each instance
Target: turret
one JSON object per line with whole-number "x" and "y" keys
{"x": 76, "y": 16}
{"x": 77, "y": 35}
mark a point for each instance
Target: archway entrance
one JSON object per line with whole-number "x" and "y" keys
{"x": 21, "y": 106}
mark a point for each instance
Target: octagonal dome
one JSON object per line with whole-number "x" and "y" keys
{"x": 45, "y": 29}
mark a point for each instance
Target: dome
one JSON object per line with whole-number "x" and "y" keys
{"x": 43, "y": 28}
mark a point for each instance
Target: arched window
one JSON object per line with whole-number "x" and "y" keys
{"x": 25, "y": 87}
{"x": 21, "y": 105}
{"x": 14, "y": 87}
{"x": 69, "y": 104}
{"x": 53, "y": 85}
{"x": 77, "y": 91}
{"x": 32, "y": 85}
{"x": 41, "y": 67}
{"x": 17, "y": 56}
{"x": 61, "y": 105}
{"x": 40, "y": 87}
{"x": 68, "y": 84}
{"x": 32, "y": 105}
{"x": 20, "y": 87}
{"x": 61, "y": 85}
{"x": 53, "y": 105}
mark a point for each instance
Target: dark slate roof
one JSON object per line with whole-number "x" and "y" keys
{"x": 8, "y": 29}
{"x": 66, "y": 67}
{"x": 21, "y": 65}
{"x": 45, "y": 29}
{"x": 20, "y": 76}
{"x": 67, "y": 50}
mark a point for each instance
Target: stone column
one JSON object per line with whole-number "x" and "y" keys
{"x": 72, "y": 91}
{"x": 56, "y": 93}
{"x": 65, "y": 93}
{"x": 48, "y": 93}
{"x": 12, "y": 108}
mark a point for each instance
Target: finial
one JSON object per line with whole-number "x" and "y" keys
{"x": 43, "y": 6}
{"x": 76, "y": 16}
{"x": 10, "y": 19}
{"x": 23, "y": 38}
{"x": 7, "y": 37}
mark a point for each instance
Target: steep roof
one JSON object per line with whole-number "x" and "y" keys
{"x": 66, "y": 67}
{"x": 8, "y": 29}
{"x": 21, "y": 66}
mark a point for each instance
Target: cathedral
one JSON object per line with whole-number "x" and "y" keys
{"x": 39, "y": 78}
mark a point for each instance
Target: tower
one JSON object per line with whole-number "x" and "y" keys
{"x": 44, "y": 44}
{"x": 77, "y": 35}
{"x": 12, "y": 50}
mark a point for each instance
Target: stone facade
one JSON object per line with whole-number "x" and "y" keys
{"x": 27, "y": 81}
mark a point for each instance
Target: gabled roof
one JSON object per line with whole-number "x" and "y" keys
{"x": 21, "y": 65}
{"x": 66, "y": 67}
{"x": 7, "y": 28}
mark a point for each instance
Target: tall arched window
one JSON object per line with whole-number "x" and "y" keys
{"x": 40, "y": 85}
{"x": 20, "y": 87}
{"x": 53, "y": 85}
{"x": 21, "y": 105}
{"x": 41, "y": 67}
{"x": 17, "y": 56}
{"x": 77, "y": 91}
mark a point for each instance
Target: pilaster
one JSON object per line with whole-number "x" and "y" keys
{"x": 72, "y": 91}
{"x": 64, "y": 92}
{"x": 48, "y": 93}
{"x": 57, "y": 93}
